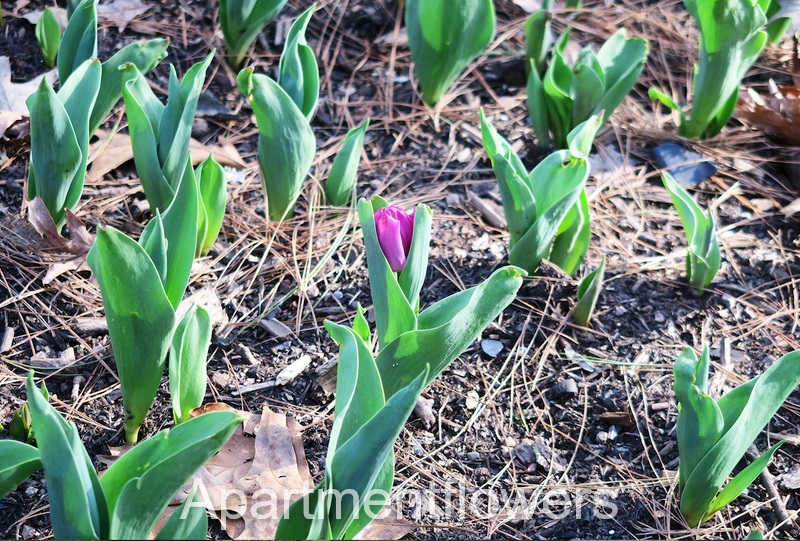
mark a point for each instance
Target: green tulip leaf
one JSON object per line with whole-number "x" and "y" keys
{"x": 19, "y": 461}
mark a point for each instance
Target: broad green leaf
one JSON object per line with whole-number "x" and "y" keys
{"x": 48, "y": 34}
{"x": 703, "y": 259}
{"x": 777, "y": 28}
{"x": 444, "y": 37}
{"x": 78, "y": 94}
{"x": 55, "y": 153}
{"x": 445, "y": 330}
{"x": 656, "y": 94}
{"x": 538, "y": 38}
{"x": 241, "y": 21}
{"x": 496, "y": 145}
{"x": 730, "y": 41}
{"x": 154, "y": 242}
{"x": 341, "y": 181}
{"x": 286, "y": 144}
{"x": 700, "y": 423}
{"x": 519, "y": 204}
{"x": 557, "y": 84}
{"x": 742, "y": 480}
{"x": 355, "y": 372}
{"x": 144, "y": 111}
{"x": 537, "y": 242}
{"x": 537, "y": 108}
{"x": 768, "y": 394}
{"x": 145, "y": 55}
{"x": 360, "y": 324}
{"x": 187, "y": 362}
{"x": 17, "y": 462}
{"x": 141, "y": 483}
{"x": 298, "y": 73}
{"x": 180, "y": 230}
{"x": 572, "y": 240}
{"x": 175, "y": 129}
{"x": 588, "y": 292}
{"x": 588, "y": 83}
{"x": 371, "y": 444}
{"x": 140, "y": 320}
{"x": 622, "y": 60}
{"x": 188, "y": 521}
{"x": 213, "y": 185}
{"x": 581, "y": 138}
{"x": 394, "y": 314}
{"x": 79, "y": 42}
{"x": 413, "y": 274}
{"x": 296, "y": 522}
{"x": 77, "y": 504}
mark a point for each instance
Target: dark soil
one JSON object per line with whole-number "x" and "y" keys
{"x": 587, "y": 412}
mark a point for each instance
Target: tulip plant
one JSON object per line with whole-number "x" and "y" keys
{"x": 187, "y": 362}
{"x": 241, "y": 21}
{"x": 566, "y": 96}
{"x": 298, "y": 74}
{"x": 588, "y": 292}
{"x": 714, "y": 435}
{"x": 160, "y": 134}
{"x": 17, "y": 462}
{"x": 286, "y": 143}
{"x": 444, "y": 37}
{"x": 546, "y": 209}
{"x": 80, "y": 44}
{"x": 732, "y": 35}
{"x": 341, "y": 181}
{"x": 376, "y": 393}
{"x": 142, "y": 284}
{"x": 60, "y": 139}
{"x": 130, "y": 497}
{"x": 48, "y": 34}
{"x": 703, "y": 257}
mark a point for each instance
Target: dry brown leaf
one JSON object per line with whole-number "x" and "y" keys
{"x": 121, "y": 12}
{"x": 777, "y": 115}
{"x": 107, "y": 155}
{"x": 13, "y": 95}
{"x": 60, "y": 13}
{"x": 265, "y": 462}
{"x": 79, "y": 243}
{"x": 57, "y": 269}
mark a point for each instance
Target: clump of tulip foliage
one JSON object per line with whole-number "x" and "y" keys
{"x": 379, "y": 381}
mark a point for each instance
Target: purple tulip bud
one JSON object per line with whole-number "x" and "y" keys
{"x": 395, "y": 227}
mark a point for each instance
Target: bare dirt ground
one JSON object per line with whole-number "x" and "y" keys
{"x": 538, "y": 413}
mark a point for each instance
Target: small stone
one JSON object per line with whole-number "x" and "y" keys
{"x": 424, "y": 411}
{"x": 418, "y": 451}
{"x": 491, "y": 347}
{"x": 275, "y": 327}
{"x": 473, "y": 455}
{"x": 29, "y": 533}
{"x": 613, "y": 432}
{"x": 338, "y": 295}
{"x": 601, "y": 437}
{"x": 31, "y": 491}
{"x": 791, "y": 479}
{"x": 658, "y": 317}
{"x": 565, "y": 389}
{"x": 473, "y": 399}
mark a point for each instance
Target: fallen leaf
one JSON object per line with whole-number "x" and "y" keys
{"x": 777, "y": 115}
{"x": 79, "y": 243}
{"x": 8, "y": 119}
{"x": 13, "y": 95}
{"x": 529, "y": 5}
{"x": 263, "y": 468}
{"x": 106, "y": 155}
{"x": 77, "y": 263}
{"x": 121, "y": 12}
{"x": 60, "y": 13}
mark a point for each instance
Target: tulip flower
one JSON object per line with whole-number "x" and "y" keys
{"x": 395, "y": 227}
